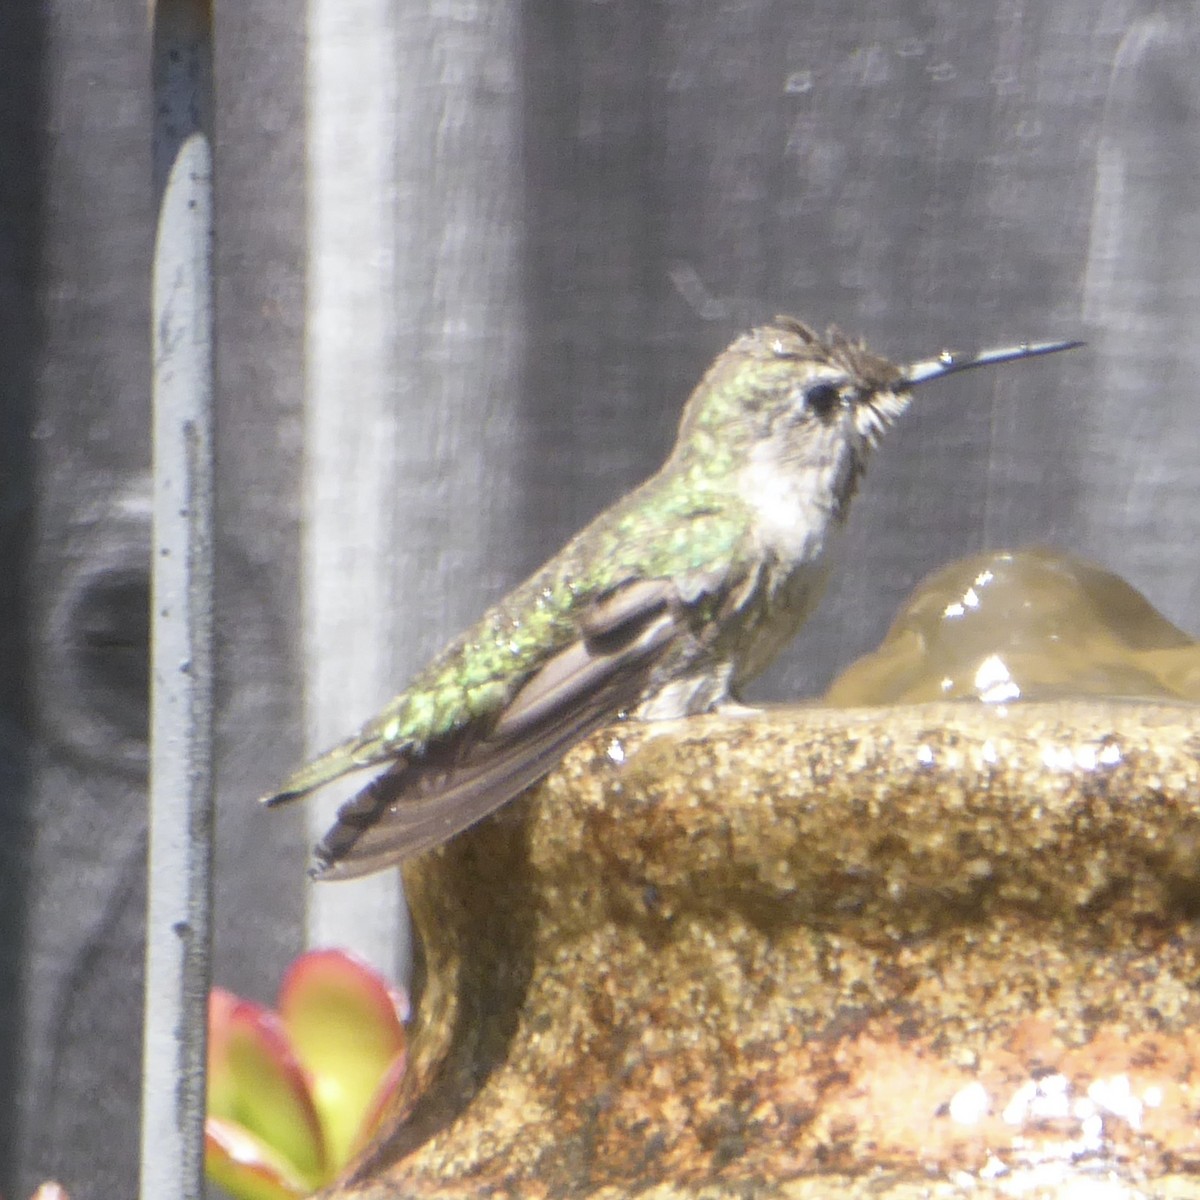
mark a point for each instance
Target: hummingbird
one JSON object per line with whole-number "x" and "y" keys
{"x": 663, "y": 607}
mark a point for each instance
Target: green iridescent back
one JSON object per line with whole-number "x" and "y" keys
{"x": 482, "y": 669}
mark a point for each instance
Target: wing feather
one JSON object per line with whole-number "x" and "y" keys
{"x": 422, "y": 800}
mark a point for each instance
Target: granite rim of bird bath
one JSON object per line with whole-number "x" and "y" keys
{"x": 934, "y": 949}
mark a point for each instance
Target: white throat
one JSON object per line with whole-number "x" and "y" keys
{"x": 793, "y": 506}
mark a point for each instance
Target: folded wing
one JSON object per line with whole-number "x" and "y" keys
{"x": 428, "y": 796}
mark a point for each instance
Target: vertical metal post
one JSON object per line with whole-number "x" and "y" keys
{"x": 177, "y": 923}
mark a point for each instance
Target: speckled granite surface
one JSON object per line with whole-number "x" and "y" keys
{"x": 928, "y": 950}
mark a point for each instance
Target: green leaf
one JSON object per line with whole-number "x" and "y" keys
{"x": 221, "y": 1087}
{"x": 246, "y": 1167}
{"x": 347, "y": 1025}
{"x": 380, "y": 1104}
{"x": 257, "y": 1082}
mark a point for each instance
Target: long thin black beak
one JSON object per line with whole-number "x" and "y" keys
{"x": 948, "y": 361}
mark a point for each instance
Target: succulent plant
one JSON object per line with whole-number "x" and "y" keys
{"x": 294, "y": 1093}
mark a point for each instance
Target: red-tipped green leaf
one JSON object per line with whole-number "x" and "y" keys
{"x": 259, "y": 1084}
{"x": 222, "y": 1090}
{"x": 380, "y": 1103}
{"x": 347, "y": 1025}
{"x": 246, "y": 1167}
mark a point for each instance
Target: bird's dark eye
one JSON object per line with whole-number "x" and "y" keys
{"x": 823, "y": 398}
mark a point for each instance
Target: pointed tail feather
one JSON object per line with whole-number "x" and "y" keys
{"x": 353, "y": 754}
